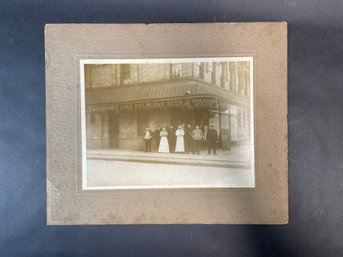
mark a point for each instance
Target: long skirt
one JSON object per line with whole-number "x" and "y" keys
{"x": 164, "y": 146}
{"x": 180, "y": 145}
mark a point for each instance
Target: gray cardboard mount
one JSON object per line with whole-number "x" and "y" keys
{"x": 267, "y": 203}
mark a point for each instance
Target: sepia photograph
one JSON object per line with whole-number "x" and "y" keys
{"x": 167, "y": 123}
{"x": 161, "y": 127}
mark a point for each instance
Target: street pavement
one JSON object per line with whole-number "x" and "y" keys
{"x": 239, "y": 156}
{"x": 116, "y": 169}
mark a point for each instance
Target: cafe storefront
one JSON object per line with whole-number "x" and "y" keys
{"x": 117, "y": 117}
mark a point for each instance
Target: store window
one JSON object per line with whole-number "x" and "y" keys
{"x": 142, "y": 122}
{"x": 92, "y": 118}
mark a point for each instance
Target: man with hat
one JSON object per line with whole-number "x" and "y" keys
{"x": 197, "y": 136}
{"x": 212, "y": 139}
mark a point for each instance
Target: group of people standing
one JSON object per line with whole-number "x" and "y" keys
{"x": 182, "y": 140}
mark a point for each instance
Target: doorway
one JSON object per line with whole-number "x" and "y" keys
{"x": 114, "y": 131}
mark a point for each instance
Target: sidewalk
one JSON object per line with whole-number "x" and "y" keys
{"x": 238, "y": 157}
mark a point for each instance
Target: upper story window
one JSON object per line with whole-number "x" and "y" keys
{"x": 197, "y": 66}
{"x": 176, "y": 70}
{"x": 233, "y": 77}
{"x": 209, "y": 66}
{"x": 202, "y": 70}
{"x": 246, "y": 83}
{"x": 125, "y": 73}
{"x": 223, "y": 74}
{"x": 199, "y": 70}
{"x": 239, "y": 78}
{"x": 213, "y": 70}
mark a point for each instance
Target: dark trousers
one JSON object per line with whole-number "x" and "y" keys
{"x": 196, "y": 146}
{"x": 147, "y": 145}
{"x": 156, "y": 143}
{"x": 188, "y": 144}
{"x": 212, "y": 145}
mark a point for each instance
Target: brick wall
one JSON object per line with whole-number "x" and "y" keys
{"x": 109, "y": 75}
{"x": 103, "y": 75}
{"x": 152, "y": 72}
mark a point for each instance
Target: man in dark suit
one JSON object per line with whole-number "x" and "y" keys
{"x": 171, "y": 139}
{"x": 212, "y": 139}
{"x": 188, "y": 138}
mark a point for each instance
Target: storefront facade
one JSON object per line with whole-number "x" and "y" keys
{"x": 123, "y": 100}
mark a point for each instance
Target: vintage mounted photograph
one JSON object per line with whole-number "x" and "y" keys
{"x": 149, "y": 124}
{"x": 167, "y": 123}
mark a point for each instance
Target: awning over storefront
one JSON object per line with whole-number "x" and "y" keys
{"x": 190, "y": 94}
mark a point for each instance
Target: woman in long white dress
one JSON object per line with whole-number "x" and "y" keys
{"x": 164, "y": 145}
{"x": 180, "y": 143}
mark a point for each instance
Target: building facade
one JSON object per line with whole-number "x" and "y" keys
{"x": 123, "y": 99}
